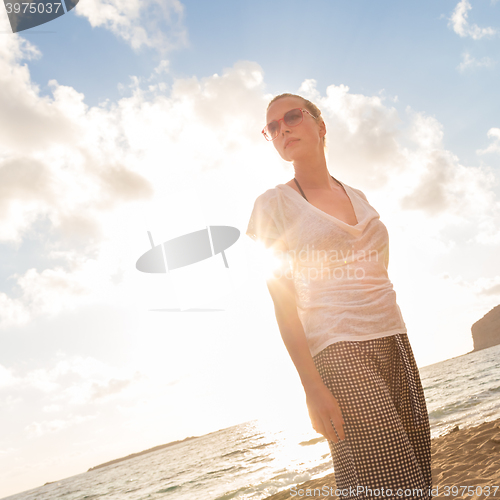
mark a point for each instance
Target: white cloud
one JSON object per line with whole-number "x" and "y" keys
{"x": 58, "y": 158}
{"x": 426, "y": 131}
{"x": 52, "y": 408}
{"x": 444, "y": 187}
{"x": 469, "y": 62}
{"x": 365, "y": 137}
{"x": 489, "y": 286}
{"x": 53, "y": 290}
{"x": 39, "y": 429}
{"x": 162, "y": 67}
{"x": 7, "y": 379}
{"x": 110, "y": 387}
{"x": 13, "y": 311}
{"x": 494, "y": 147}
{"x": 149, "y": 23}
{"x": 461, "y": 26}
{"x": 76, "y": 380}
{"x": 362, "y": 132}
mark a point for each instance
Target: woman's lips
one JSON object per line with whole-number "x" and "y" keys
{"x": 290, "y": 141}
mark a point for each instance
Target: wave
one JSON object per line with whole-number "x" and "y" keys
{"x": 312, "y": 441}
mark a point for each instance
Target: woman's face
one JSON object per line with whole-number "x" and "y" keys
{"x": 301, "y": 141}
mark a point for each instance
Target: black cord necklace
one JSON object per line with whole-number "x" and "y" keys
{"x": 302, "y": 192}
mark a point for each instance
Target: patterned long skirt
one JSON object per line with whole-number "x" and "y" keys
{"x": 386, "y": 452}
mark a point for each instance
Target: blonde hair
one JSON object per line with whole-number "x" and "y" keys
{"x": 310, "y": 106}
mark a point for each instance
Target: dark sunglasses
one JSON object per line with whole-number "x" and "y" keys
{"x": 292, "y": 118}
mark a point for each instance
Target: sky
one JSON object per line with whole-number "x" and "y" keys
{"x": 123, "y": 117}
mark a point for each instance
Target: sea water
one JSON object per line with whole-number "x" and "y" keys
{"x": 253, "y": 461}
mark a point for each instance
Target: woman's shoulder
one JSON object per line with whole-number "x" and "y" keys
{"x": 269, "y": 196}
{"x": 357, "y": 191}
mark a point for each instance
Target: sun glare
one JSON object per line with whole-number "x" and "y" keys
{"x": 267, "y": 261}
{"x": 296, "y": 446}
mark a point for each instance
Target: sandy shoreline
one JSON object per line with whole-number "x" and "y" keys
{"x": 465, "y": 457}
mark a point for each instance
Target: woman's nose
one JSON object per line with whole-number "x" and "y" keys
{"x": 284, "y": 127}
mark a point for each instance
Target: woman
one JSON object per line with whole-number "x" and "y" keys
{"x": 337, "y": 313}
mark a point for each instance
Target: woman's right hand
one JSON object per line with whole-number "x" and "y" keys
{"x": 323, "y": 407}
{"x": 325, "y": 411}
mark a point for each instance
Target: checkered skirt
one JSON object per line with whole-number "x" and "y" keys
{"x": 387, "y": 436}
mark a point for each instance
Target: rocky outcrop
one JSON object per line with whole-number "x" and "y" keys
{"x": 486, "y": 331}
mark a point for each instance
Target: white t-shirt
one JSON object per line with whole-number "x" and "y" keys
{"x": 342, "y": 288}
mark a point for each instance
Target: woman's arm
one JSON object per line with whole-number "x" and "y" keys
{"x": 321, "y": 404}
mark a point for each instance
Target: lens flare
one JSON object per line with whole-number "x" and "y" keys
{"x": 269, "y": 263}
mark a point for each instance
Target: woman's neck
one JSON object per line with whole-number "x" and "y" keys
{"x": 313, "y": 173}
